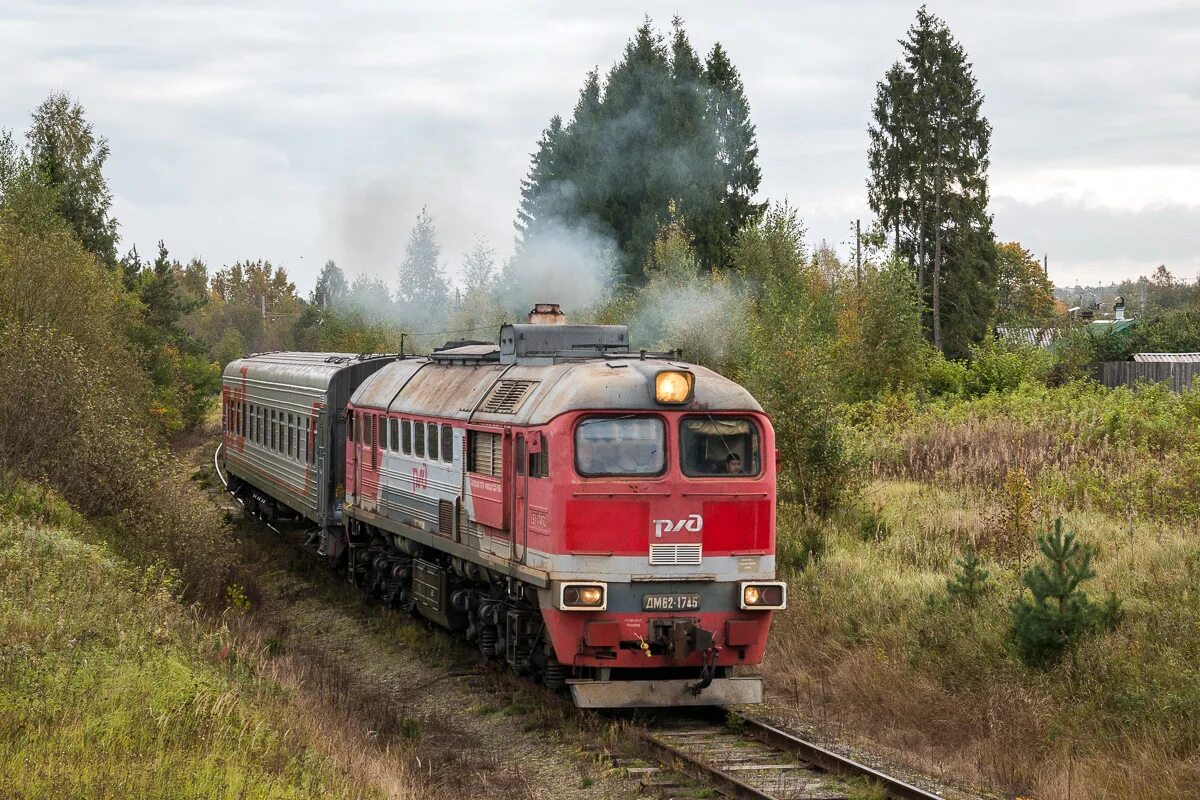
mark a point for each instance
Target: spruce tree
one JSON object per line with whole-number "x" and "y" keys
{"x": 662, "y": 127}
{"x": 928, "y": 161}
{"x": 422, "y": 285}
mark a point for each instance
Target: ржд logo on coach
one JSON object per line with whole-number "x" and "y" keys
{"x": 692, "y": 522}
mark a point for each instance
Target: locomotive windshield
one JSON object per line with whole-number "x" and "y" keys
{"x": 719, "y": 446}
{"x": 620, "y": 446}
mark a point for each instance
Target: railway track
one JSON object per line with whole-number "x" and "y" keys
{"x": 737, "y": 754}
{"x": 746, "y": 758}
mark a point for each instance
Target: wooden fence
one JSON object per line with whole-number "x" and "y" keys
{"x": 1126, "y": 373}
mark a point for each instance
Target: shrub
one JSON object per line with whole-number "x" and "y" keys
{"x": 999, "y": 367}
{"x": 945, "y": 378}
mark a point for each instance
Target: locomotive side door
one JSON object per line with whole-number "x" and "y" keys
{"x": 519, "y": 528}
{"x": 355, "y": 444}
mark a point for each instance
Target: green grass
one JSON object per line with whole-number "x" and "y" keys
{"x": 110, "y": 688}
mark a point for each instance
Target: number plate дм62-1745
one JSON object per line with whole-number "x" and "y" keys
{"x": 670, "y": 602}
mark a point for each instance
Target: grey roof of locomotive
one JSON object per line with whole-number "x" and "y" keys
{"x": 466, "y": 391}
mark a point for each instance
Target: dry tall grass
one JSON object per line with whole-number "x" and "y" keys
{"x": 865, "y": 649}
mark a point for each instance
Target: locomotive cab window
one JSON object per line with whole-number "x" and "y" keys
{"x": 719, "y": 446}
{"x": 620, "y": 446}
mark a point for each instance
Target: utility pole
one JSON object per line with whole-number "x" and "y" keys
{"x": 858, "y": 253}
{"x": 263, "y": 299}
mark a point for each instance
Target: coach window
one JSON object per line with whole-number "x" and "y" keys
{"x": 629, "y": 445}
{"x": 406, "y": 436}
{"x": 719, "y": 446}
{"x": 394, "y": 434}
{"x": 262, "y": 425}
{"x": 419, "y": 444}
{"x": 447, "y": 444}
{"x": 274, "y": 428}
{"x": 433, "y": 441}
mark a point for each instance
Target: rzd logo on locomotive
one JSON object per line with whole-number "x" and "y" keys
{"x": 693, "y": 523}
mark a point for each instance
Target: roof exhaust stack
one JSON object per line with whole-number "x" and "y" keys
{"x": 547, "y": 314}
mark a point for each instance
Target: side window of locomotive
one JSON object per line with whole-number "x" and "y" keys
{"x": 519, "y": 458}
{"x": 350, "y": 426}
{"x": 419, "y": 429}
{"x": 383, "y": 433}
{"x": 394, "y": 434}
{"x": 406, "y": 434}
{"x": 620, "y": 446}
{"x": 367, "y": 425}
{"x": 433, "y": 442}
{"x": 719, "y": 446}
{"x": 539, "y": 463}
{"x": 447, "y": 444}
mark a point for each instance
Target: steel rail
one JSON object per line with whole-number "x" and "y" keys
{"x": 830, "y": 761}
{"x": 814, "y": 757}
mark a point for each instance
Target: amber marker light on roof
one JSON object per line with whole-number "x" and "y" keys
{"x": 673, "y": 387}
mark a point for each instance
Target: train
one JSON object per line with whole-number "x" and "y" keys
{"x": 599, "y": 518}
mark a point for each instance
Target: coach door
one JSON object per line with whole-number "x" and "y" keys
{"x": 519, "y": 526}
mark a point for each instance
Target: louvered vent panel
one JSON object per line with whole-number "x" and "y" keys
{"x": 445, "y": 518}
{"x": 669, "y": 554}
{"x": 485, "y": 454}
{"x": 506, "y": 397}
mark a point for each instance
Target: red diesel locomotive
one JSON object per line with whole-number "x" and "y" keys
{"x": 601, "y": 518}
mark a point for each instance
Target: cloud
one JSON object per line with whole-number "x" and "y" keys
{"x": 254, "y": 129}
{"x": 1088, "y": 244}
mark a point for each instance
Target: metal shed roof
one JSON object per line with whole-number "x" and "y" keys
{"x": 1166, "y": 358}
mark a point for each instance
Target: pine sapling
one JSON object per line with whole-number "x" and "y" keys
{"x": 969, "y": 585}
{"x": 1059, "y": 612}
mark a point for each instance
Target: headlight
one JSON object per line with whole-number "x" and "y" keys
{"x": 673, "y": 387}
{"x": 583, "y": 597}
{"x": 764, "y": 596}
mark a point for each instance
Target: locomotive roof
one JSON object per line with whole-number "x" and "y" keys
{"x": 532, "y": 394}
{"x": 315, "y": 370}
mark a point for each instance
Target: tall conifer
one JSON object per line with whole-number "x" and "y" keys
{"x": 928, "y": 158}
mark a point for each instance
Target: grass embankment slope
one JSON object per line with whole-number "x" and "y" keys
{"x": 109, "y": 687}
{"x": 873, "y": 644}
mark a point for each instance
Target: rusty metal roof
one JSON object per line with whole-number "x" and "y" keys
{"x": 425, "y": 388}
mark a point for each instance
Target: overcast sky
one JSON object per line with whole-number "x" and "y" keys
{"x": 302, "y": 131}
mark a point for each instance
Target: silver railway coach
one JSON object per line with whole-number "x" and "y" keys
{"x": 283, "y": 430}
